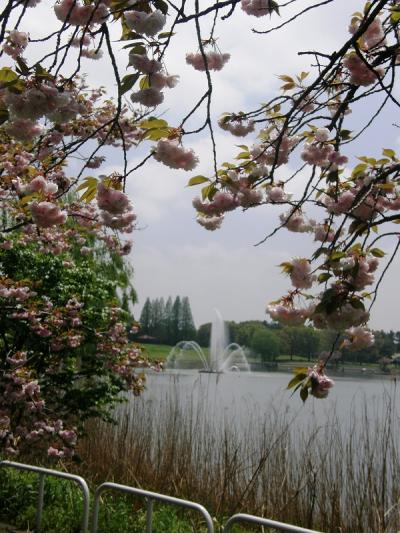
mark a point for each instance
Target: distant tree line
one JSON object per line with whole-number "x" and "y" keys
{"x": 167, "y": 321}
{"x": 269, "y": 340}
{"x": 170, "y": 321}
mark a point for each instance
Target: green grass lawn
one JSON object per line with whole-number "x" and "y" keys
{"x": 157, "y": 352}
{"x": 160, "y": 352}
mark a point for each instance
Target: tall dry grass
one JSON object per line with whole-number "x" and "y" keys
{"x": 333, "y": 477}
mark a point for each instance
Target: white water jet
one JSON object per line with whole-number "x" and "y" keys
{"x": 224, "y": 357}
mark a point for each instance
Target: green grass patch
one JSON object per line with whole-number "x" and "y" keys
{"x": 63, "y": 506}
{"x": 157, "y": 352}
{"x": 160, "y": 352}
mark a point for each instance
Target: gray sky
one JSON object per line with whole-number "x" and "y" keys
{"x": 172, "y": 254}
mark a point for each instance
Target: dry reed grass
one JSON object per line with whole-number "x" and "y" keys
{"x": 329, "y": 477}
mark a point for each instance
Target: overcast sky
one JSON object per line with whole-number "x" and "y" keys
{"x": 172, "y": 254}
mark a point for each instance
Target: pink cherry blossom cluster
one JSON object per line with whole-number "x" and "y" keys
{"x": 341, "y": 318}
{"x": 21, "y": 393}
{"x": 47, "y": 214}
{"x": 149, "y": 97}
{"x": 222, "y": 202}
{"x": 172, "y": 154}
{"x": 83, "y": 44}
{"x": 276, "y": 194}
{"x": 73, "y": 12}
{"x": 258, "y": 8}
{"x": 287, "y": 314}
{"x": 210, "y": 223}
{"x": 95, "y": 161}
{"x": 322, "y": 155}
{"x": 240, "y": 194}
{"x": 144, "y": 64}
{"x": 121, "y": 222}
{"x": 361, "y": 73}
{"x": 92, "y": 53}
{"x": 367, "y": 209}
{"x": 248, "y": 196}
{"x": 23, "y": 129}
{"x": 358, "y": 338}
{"x": 116, "y": 208}
{"x": 112, "y": 200}
{"x": 152, "y": 96}
{"x": 275, "y": 151}
{"x": 236, "y": 125}
{"x": 373, "y": 37}
{"x": 320, "y": 383}
{"x": 365, "y": 269}
{"x": 18, "y": 293}
{"x": 341, "y": 204}
{"x": 38, "y": 185}
{"x": 295, "y": 221}
{"x": 126, "y": 358}
{"x": 43, "y": 100}
{"x": 323, "y": 233}
{"x": 300, "y": 273}
{"x": 145, "y": 23}
{"x": 215, "y": 60}
{"x": 15, "y": 43}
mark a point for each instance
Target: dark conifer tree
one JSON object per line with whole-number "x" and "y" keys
{"x": 176, "y": 320}
{"x": 145, "y": 317}
{"x": 188, "y": 330}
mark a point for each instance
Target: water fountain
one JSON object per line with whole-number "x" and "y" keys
{"x": 224, "y": 356}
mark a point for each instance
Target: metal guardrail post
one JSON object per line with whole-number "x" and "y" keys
{"x": 264, "y": 522}
{"x": 149, "y": 515}
{"x": 54, "y": 473}
{"x": 39, "y": 506}
{"x": 150, "y": 496}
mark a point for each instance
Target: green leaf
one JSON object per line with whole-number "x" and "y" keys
{"x": 324, "y": 277}
{"x": 298, "y": 369}
{"x": 377, "y": 252}
{"x": 208, "y": 192}
{"x": 42, "y": 73}
{"x": 336, "y": 256}
{"x": 166, "y": 35}
{"x": 389, "y": 153}
{"x": 395, "y": 15}
{"x": 4, "y": 116}
{"x": 304, "y": 393}
{"x": 286, "y": 78}
{"x": 359, "y": 169}
{"x": 345, "y": 134}
{"x": 144, "y": 82}
{"x": 89, "y": 185}
{"x": 128, "y": 82}
{"x": 357, "y": 304}
{"x": 161, "y": 5}
{"x": 243, "y": 155}
{"x": 23, "y": 67}
{"x": 10, "y": 80}
{"x": 136, "y": 48}
{"x": 7, "y": 75}
{"x": 197, "y": 180}
{"x": 153, "y": 123}
{"x": 288, "y": 86}
{"x": 298, "y": 378}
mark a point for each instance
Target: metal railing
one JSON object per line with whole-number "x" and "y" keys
{"x": 42, "y": 473}
{"x": 280, "y": 526}
{"x": 150, "y": 497}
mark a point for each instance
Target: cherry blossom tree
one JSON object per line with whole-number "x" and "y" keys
{"x": 53, "y": 120}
